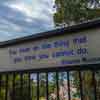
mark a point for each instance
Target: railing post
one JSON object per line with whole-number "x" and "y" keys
{"x": 68, "y": 80}
{"x": 57, "y": 83}
{"x": 6, "y": 93}
{"x": 47, "y": 94}
{"x": 94, "y": 84}
{"x": 37, "y": 86}
{"x": 81, "y": 86}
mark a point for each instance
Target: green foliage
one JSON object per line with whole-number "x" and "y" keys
{"x": 76, "y": 11}
{"x": 2, "y": 92}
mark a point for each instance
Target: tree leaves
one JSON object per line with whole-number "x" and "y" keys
{"x": 75, "y": 11}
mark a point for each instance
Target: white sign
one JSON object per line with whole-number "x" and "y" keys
{"x": 65, "y": 50}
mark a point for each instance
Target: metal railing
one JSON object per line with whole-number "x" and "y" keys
{"x": 51, "y": 85}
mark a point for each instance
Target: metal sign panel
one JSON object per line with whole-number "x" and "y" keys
{"x": 73, "y": 49}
